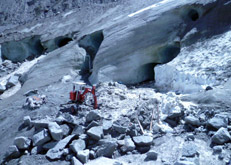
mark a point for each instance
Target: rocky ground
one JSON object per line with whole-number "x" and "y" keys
{"x": 181, "y": 118}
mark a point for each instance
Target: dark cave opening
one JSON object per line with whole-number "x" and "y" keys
{"x": 193, "y": 15}
{"x": 18, "y": 51}
{"x": 91, "y": 43}
{"x": 63, "y": 41}
{"x": 168, "y": 53}
{"x": 165, "y": 55}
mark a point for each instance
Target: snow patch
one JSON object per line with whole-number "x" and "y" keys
{"x": 149, "y": 7}
{"x": 27, "y": 30}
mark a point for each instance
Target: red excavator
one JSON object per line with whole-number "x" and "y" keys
{"x": 78, "y": 96}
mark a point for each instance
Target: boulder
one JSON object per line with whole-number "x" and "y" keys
{"x": 31, "y": 92}
{"x": 83, "y": 156}
{"x": 189, "y": 150}
{"x": 22, "y": 142}
{"x": 36, "y": 150}
{"x": 93, "y": 115}
{"x": 173, "y": 112}
{"x": 78, "y": 130}
{"x": 43, "y": 123}
{"x": 41, "y": 137}
{"x": 12, "y": 152}
{"x": 143, "y": 140}
{"x": 68, "y": 118}
{"x": 57, "y": 151}
{"x": 217, "y": 149}
{"x": 12, "y": 81}
{"x": 163, "y": 128}
{"x": 66, "y": 79}
{"x": 2, "y": 88}
{"x": 66, "y": 129}
{"x": 128, "y": 145}
{"x": 217, "y": 122}
{"x": 107, "y": 125}
{"x": 95, "y": 133}
{"x": 106, "y": 148}
{"x": 151, "y": 155}
{"x": 120, "y": 129}
{"x": 27, "y": 121}
{"x": 192, "y": 121}
{"x": 49, "y": 145}
{"x": 221, "y": 136}
{"x": 55, "y": 131}
{"x": 78, "y": 145}
{"x": 92, "y": 124}
{"x": 75, "y": 161}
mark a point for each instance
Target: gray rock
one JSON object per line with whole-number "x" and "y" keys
{"x": 183, "y": 162}
{"x": 12, "y": 152}
{"x": 83, "y": 156}
{"x": 93, "y": 115}
{"x": 55, "y": 131}
{"x": 41, "y": 137}
{"x": 190, "y": 137}
{"x": 22, "y": 142}
{"x": 151, "y": 155}
{"x": 27, "y": 121}
{"x": 75, "y": 161}
{"x": 66, "y": 129}
{"x": 173, "y": 112}
{"x": 36, "y": 150}
{"x": 217, "y": 122}
{"x": 13, "y": 80}
{"x": 43, "y": 123}
{"x": 128, "y": 145}
{"x": 106, "y": 148}
{"x": 60, "y": 120}
{"x": 66, "y": 151}
{"x": 57, "y": 151}
{"x": 92, "y": 154}
{"x": 31, "y": 92}
{"x": 83, "y": 137}
{"x": 107, "y": 125}
{"x": 77, "y": 145}
{"x": 105, "y": 161}
{"x": 92, "y": 124}
{"x": 68, "y": 118}
{"x": 78, "y": 130}
{"x": 189, "y": 150}
{"x": 50, "y": 145}
{"x": 95, "y": 133}
{"x": 2, "y": 88}
{"x": 221, "y": 136}
{"x": 229, "y": 127}
{"x": 143, "y": 140}
{"x": 192, "y": 121}
{"x": 217, "y": 149}
{"x": 120, "y": 129}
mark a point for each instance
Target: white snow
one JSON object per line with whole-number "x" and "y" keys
{"x": 149, "y": 7}
{"x": 68, "y": 13}
{"x": 27, "y": 30}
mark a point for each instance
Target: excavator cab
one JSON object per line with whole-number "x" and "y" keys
{"x": 78, "y": 95}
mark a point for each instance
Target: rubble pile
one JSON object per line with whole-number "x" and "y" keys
{"x": 97, "y": 134}
{"x": 7, "y": 67}
{"x": 34, "y": 102}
